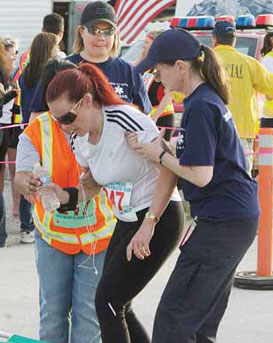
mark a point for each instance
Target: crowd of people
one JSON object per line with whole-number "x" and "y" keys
{"x": 90, "y": 120}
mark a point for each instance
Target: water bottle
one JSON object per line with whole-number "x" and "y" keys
{"x": 48, "y": 197}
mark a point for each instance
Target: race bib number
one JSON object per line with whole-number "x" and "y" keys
{"x": 84, "y": 216}
{"x": 119, "y": 193}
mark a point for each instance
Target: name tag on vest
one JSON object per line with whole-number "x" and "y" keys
{"x": 83, "y": 216}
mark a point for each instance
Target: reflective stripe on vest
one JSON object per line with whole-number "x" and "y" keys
{"x": 47, "y": 137}
{"x": 167, "y": 111}
{"x": 24, "y": 59}
{"x": 75, "y": 231}
{"x": 17, "y": 118}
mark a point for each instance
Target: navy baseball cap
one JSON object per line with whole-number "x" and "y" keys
{"x": 224, "y": 29}
{"x": 171, "y": 45}
{"x": 97, "y": 11}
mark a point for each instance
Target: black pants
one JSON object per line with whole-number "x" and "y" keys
{"x": 196, "y": 296}
{"x": 3, "y": 233}
{"x": 121, "y": 280}
{"x": 9, "y": 140}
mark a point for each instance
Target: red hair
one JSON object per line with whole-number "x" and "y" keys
{"x": 77, "y": 82}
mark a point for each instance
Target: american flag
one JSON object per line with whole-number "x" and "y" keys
{"x": 134, "y": 15}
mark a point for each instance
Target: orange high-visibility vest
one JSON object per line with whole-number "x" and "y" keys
{"x": 87, "y": 229}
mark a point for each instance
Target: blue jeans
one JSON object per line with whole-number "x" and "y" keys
{"x": 67, "y": 291}
{"x": 25, "y": 213}
{"x": 3, "y": 233}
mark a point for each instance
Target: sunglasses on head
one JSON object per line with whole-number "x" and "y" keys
{"x": 10, "y": 44}
{"x": 69, "y": 117}
{"x": 95, "y": 31}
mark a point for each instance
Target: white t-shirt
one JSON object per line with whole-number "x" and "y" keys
{"x": 128, "y": 179}
{"x": 7, "y": 114}
{"x": 267, "y": 62}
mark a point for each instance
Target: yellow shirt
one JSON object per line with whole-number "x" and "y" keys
{"x": 247, "y": 76}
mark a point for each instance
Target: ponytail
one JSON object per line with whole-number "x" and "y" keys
{"x": 213, "y": 73}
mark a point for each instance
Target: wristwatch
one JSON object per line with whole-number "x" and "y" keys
{"x": 149, "y": 215}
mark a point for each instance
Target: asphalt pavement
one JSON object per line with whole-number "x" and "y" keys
{"x": 248, "y": 319}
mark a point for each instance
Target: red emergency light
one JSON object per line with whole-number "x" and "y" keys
{"x": 264, "y": 20}
{"x": 229, "y": 18}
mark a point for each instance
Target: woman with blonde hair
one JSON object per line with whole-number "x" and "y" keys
{"x": 97, "y": 42}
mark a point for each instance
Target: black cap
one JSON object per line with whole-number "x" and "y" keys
{"x": 171, "y": 45}
{"x": 224, "y": 29}
{"x": 97, "y": 11}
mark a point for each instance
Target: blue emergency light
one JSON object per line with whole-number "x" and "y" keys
{"x": 245, "y": 21}
{"x": 193, "y": 23}
{"x": 264, "y": 21}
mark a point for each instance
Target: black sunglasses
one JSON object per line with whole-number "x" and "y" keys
{"x": 95, "y": 31}
{"x": 69, "y": 117}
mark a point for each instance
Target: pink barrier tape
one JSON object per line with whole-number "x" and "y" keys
{"x": 262, "y": 151}
{"x": 13, "y": 125}
{"x": 7, "y": 162}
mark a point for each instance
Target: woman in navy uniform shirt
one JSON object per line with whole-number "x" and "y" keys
{"x": 211, "y": 167}
{"x": 97, "y": 42}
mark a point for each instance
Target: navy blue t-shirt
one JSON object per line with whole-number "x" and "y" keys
{"x": 208, "y": 137}
{"x": 26, "y": 98}
{"x": 127, "y": 83}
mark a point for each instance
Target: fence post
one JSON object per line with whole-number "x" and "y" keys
{"x": 264, "y": 263}
{"x": 262, "y": 279}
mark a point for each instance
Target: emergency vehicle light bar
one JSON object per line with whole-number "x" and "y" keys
{"x": 264, "y": 21}
{"x": 229, "y": 18}
{"x": 245, "y": 21}
{"x": 193, "y": 23}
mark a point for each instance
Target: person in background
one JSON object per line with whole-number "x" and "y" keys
{"x": 247, "y": 77}
{"x": 70, "y": 248}
{"x": 6, "y": 68}
{"x": 97, "y": 42}
{"x": 161, "y": 99}
{"x": 211, "y": 167}
{"x": 54, "y": 23}
{"x": 44, "y": 46}
{"x": 267, "y": 62}
{"x": 11, "y": 134}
